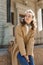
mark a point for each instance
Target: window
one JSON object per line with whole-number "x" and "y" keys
{"x": 2, "y": 45}
{"x": 42, "y": 18}
{"x": 12, "y": 21}
{"x": 8, "y": 11}
{"x": 12, "y": 18}
{"x": 39, "y": 20}
{"x": 21, "y": 16}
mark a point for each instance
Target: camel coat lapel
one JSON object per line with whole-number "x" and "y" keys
{"x": 25, "y": 34}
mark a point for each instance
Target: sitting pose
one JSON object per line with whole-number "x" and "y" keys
{"x": 24, "y": 39}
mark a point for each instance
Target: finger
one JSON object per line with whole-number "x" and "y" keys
{"x": 28, "y": 60}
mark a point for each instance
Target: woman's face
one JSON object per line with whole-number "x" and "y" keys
{"x": 28, "y": 18}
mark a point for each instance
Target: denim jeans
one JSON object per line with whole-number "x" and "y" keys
{"x": 23, "y": 61}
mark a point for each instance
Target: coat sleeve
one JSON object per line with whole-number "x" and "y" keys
{"x": 32, "y": 37}
{"x": 20, "y": 40}
{"x": 31, "y": 42}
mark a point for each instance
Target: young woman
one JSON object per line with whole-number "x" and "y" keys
{"x": 24, "y": 39}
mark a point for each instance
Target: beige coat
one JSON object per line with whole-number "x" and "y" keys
{"x": 23, "y": 43}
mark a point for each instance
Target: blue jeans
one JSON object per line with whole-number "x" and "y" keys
{"x": 23, "y": 61}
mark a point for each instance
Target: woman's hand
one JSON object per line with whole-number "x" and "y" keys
{"x": 27, "y": 58}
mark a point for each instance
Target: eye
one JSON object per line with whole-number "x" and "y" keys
{"x": 29, "y": 16}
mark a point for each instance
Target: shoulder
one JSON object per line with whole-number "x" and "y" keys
{"x": 18, "y": 27}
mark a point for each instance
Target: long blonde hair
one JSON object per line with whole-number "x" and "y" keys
{"x": 33, "y": 23}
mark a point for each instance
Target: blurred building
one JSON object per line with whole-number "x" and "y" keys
{"x": 10, "y": 13}
{"x": 18, "y": 8}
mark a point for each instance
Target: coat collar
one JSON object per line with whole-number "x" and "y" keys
{"x": 24, "y": 30}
